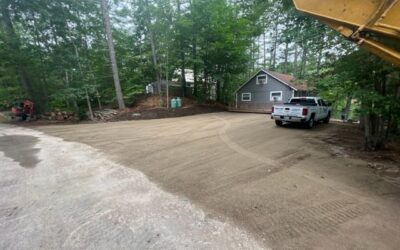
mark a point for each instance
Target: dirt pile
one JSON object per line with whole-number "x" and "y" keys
{"x": 151, "y": 102}
{"x": 151, "y": 107}
{"x": 59, "y": 116}
{"x": 105, "y": 115}
{"x": 160, "y": 113}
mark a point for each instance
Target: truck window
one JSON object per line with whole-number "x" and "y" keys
{"x": 303, "y": 101}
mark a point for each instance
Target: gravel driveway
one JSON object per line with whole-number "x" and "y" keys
{"x": 63, "y": 195}
{"x": 219, "y": 181}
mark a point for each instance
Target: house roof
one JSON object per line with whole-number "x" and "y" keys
{"x": 291, "y": 81}
{"x": 288, "y": 80}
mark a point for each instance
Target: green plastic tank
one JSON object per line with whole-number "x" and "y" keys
{"x": 174, "y": 103}
{"x": 178, "y": 102}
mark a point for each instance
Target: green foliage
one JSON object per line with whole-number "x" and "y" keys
{"x": 9, "y": 96}
{"x": 375, "y": 85}
{"x": 132, "y": 92}
{"x": 59, "y": 46}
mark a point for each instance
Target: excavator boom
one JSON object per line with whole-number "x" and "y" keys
{"x": 372, "y": 24}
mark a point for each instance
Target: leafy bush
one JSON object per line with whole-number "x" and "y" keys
{"x": 9, "y": 96}
{"x": 131, "y": 92}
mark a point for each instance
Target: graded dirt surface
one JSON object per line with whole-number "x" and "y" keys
{"x": 285, "y": 187}
{"x": 75, "y": 198}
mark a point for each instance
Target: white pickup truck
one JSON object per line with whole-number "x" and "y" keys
{"x": 304, "y": 110}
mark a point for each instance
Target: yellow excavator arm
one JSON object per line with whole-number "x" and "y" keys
{"x": 372, "y": 24}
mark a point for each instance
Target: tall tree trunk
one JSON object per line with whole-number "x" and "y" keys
{"x": 252, "y": 56}
{"x": 374, "y": 132}
{"x": 363, "y": 118}
{"x": 395, "y": 122}
{"x": 218, "y": 91}
{"x": 13, "y": 41}
{"x": 296, "y": 59}
{"x": 91, "y": 117}
{"x": 182, "y": 53}
{"x": 183, "y": 74}
{"x": 257, "y": 54}
{"x": 319, "y": 62}
{"x": 225, "y": 92}
{"x": 274, "y": 48}
{"x": 167, "y": 79}
{"x": 303, "y": 62}
{"x": 195, "y": 87}
{"x": 320, "y": 55}
{"x": 111, "y": 51}
{"x": 286, "y": 57}
{"x": 73, "y": 99}
{"x": 155, "y": 62}
{"x": 374, "y": 123}
{"x": 98, "y": 99}
{"x": 153, "y": 49}
{"x": 194, "y": 55}
{"x": 205, "y": 82}
{"x": 39, "y": 39}
{"x": 347, "y": 108}
{"x": 264, "y": 49}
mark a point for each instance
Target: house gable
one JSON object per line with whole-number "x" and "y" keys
{"x": 275, "y": 88}
{"x": 262, "y": 95}
{"x": 264, "y": 72}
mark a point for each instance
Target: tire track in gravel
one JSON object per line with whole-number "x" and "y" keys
{"x": 275, "y": 165}
{"x": 324, "y": 218}
{"x": 235, "y": 147}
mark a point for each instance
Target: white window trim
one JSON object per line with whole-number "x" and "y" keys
{"x": 266, "y": 79}
{"x": 271, "y": 98}
{"x": 249, "y": 97}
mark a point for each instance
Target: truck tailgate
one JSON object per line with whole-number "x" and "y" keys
{"x": 288, "y": 111}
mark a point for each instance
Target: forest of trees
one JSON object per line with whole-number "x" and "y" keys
{"x": 60, "y": 54}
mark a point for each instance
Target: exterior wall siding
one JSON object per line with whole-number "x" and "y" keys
{"x": 260, "y": 94}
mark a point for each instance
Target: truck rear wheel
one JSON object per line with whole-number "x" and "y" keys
{"x": 310, "y": 123}
{"x": 279, "y": 123}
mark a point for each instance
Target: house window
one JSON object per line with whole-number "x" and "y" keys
{"x": 276, "y": 96}
{"x": 262, "y": 79}
{"x": 246, "y": 97}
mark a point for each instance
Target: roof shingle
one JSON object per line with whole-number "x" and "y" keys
{"x": 290, "y": 80}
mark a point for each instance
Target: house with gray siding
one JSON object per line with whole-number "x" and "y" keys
{"x": 265, "y": 89}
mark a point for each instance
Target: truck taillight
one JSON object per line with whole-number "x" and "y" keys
{"x": 273, "y": 109}
{"x": 305, "y": 112}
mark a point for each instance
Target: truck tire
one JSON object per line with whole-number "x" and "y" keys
{"x": 279, "y": 123}
{"x": 310, "y": 123}
{"x": 327, "y": 119}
